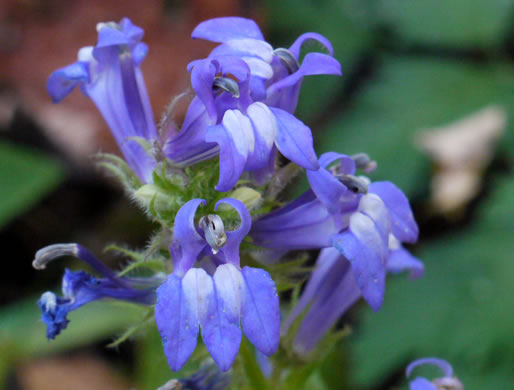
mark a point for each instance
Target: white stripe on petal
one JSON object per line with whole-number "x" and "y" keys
{"x": 264, "y": 122}
{"x": 229, "y": 288}
{"x": 241, "y": 131}
{"x": 374, "y": 207}
{"x": 259, "y": 67}
{"x": 366, "y": 232}
{"x": 233, "y": 124}
{"x": 198, "y": 290}
{"x": 256, "y": 47}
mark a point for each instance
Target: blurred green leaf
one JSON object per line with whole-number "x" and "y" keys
{"x": 25, "y": 177}
{"x": 408, "y": 95}
{"x": 152, "y": 370}
{"x": 346, "y": 24}
{"x": 23, "y": 333}
{"x": 449, "y": 23}
{"x": 461, "y": 310}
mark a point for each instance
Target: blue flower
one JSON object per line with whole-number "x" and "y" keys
{"x": 219, "y": 303}
{"x": 331, "y": 290}
{"x": 80, "y": 288}
{"x": 246, "y": 94}
{"x": 109, "y": 74}
{"x": 276, "y": 74}
{"x": 363, "y": 221}
{"x": 447, "y": 382}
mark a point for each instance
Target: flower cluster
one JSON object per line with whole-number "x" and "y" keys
{"x": 241, "y": 117}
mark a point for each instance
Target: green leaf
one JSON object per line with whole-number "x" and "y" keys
{"x": 132, "y": 331}
{"x": 252, "y": 369}
{"x": 23, "y": 335}
{"x": 459, "y": 311}
{"x": 119, "y": 169}
{"x": 346, "y": 24}
{"x": 406, "y": 96}
{"x": 26, "y": 176}
{"x": 450, "y": 23}
{"x": 152, "y": 369}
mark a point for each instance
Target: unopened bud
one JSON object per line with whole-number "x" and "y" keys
{"x": 248, "y": 196}
{"x": 150, "y": 195}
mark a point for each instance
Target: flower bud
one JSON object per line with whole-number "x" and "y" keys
{"x": 248, "y": 196}
{"x": 150, "y": 195}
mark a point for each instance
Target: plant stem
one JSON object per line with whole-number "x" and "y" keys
{"x": 253, "y": 371}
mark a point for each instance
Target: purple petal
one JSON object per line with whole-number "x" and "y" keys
{"x": 285, "y": 91}
{"x": 221, "y": 330}
{"x": 111, "y": 36}
{"x": 234, "y": 66}
{"x": 401, "y": 260}
{"x": 421, "y": 384}
{"x": 264, "y": 174}
{"x": 120, "y": 95}
{"x": 202, "y": 77}
{"x": 404, "y": 225}
{"x": 297, "y": 45}
{"x": 234, "y": 238}
{"x": 336, "y": 298}
{"x": 304, "y": 224}
{"x": 177, "y": 322}
{"x": 257, "y": 88}
{"x": 347, "y": 163}
{"x": 80, "y": 288}
{"x": 198, "y": 289}
{"x": 363, "y": 246}
{"x": 139, "y": 53}
{"x": 64, "y": 80}
{"x": 189, "y": 146}
{"x": 372, "y": 206}
{"x": 245, "y": 48}
{"x": 227, "y": 28}
{"x": 109, "y": 75}
{"x": 265, "y": 131}
{"x": 260, "y": 314}
{"x": 445, "y": 367}
{"x": 137, "y": 100}
{"x": 135, "y": 33}
{"x": 330, "y": 264}
{"x": 264, "y": 363}
{"x": 258, "y": 67}
{"x": 329, "y": 190}
{"x": 187, "y": 243}
{"x": 294, "y": 140}
{"x": 313, "y": 64}
{"x": 235, "y": 138}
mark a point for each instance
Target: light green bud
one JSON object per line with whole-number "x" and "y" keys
{"x": 149, "y": 194}
{"x": 248, "y": 196}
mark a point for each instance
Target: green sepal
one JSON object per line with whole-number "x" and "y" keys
{"x": 118, "y": 168}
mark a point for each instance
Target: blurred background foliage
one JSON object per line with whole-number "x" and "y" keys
{"x": 410, "y": 68}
